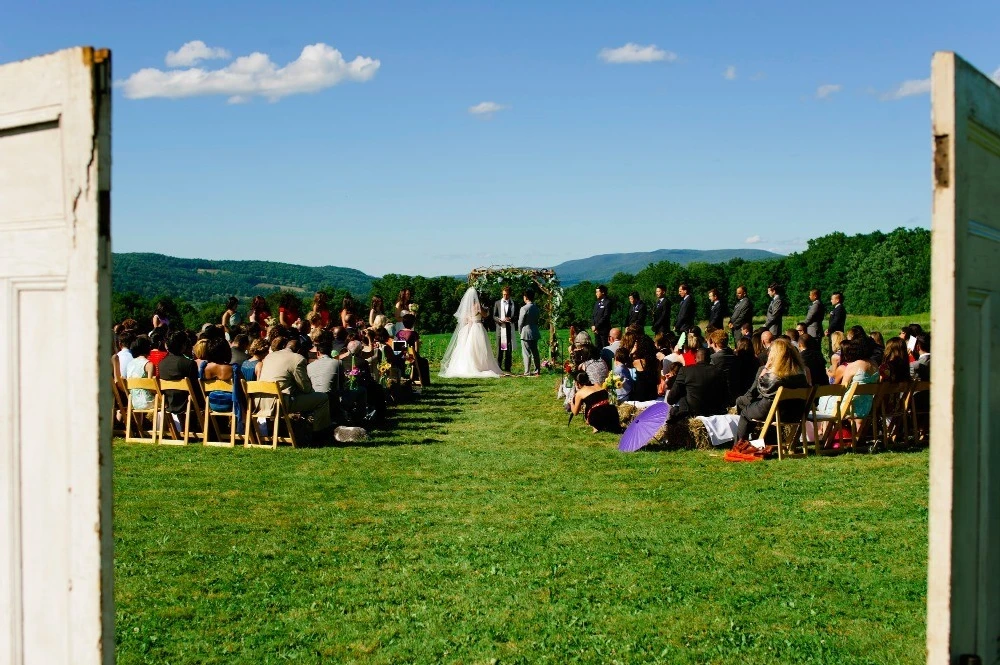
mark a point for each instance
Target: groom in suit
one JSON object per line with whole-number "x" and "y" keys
{"x": 503, "y": 317}
{"x": 527, "y": 324}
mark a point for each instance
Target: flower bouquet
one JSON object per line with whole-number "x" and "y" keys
{"x": 352, "y": 378}
{"x": 612, "y": 384}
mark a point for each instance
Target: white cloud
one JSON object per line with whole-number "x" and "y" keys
{"x": 319, "y": 66}
{"x": 827, "y": 90}
{"x": 753, "y": 240}
{"x": 908, "y": 89}
{"x": 730, "y": 73}
{"x": 487, "y": 109}
{"x": 194, "y": 52}
{"x": 634, "y": 53}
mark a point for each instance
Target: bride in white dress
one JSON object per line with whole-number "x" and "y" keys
{"x": 469, "y": 354}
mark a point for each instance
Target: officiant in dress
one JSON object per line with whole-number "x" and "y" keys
{"x": 504, "y": 316}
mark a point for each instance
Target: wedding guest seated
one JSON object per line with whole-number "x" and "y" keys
{"x": 783, "y": 369}
{"x": 288, "y": 370}
{"x": 836, "y": 339}
{"x": 855, "y": 367}
{"x": 600, "y": 414}
{"x": 645, "y": 366}
{"x": 692, "y": 342}
{"x": 766, "y": 339}
{"x": 746, "y": 330}
{"x": 589, "y": 361}
{"x": 622, "y": 370}
{"x": 793, "y": 336}
{"x": 868, "y": 347}
{"x": 250, "y": 368}
{"x": 239, "y": 346}
{"x": 614, "y": 341}
{"x": 339, "y": 340}
{"x": 747, "y": 367}
{"x": 699, "y": 389}
{"x": 920, "y": 369}
{"x": 326, "y": 373}
{"x": 877, "y": 338}
{"x": 800, "y": 328}
{"x": 158, "y": 341}
{"x": 895, "y": 367}
{"x": 140, "y": 368}
{"x": 217, "y": 366}
{"x": 725, "y": 359}
{"x": 812, "y": 358}
{"x": 176, "y": 367}
{"x": 121, "y": 359}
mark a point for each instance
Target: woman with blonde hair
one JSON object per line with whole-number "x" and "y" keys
{"x": 836, "y": 339}
{"x": 784, "y": 369}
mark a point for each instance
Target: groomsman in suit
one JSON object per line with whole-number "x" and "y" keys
{"x": 527, "y": 324}
{"x": 742, "y": 313}
{"x": 503, "y": 317}
{"x": 601, "y": 318}
{"x": 775, "y": 310}
{"x": 717, "y": 312}
{"x": 636, "y": 312}
{"x": 685, "y": 312}
{"x": 661, "y": 313}
{"x": 815, "y": 315}
{"x": 838, "y": 315}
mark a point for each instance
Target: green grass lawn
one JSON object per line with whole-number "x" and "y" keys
{"x": 482, "y": 527}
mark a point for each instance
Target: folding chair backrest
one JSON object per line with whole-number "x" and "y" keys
{"x": 263, "y": 388}
{"x": 184, "y": 386}
{"x": 785, "y": 403}
{"x": 213, "y": 385}
{"x": 152, "y": 385}
{"x": 256, "y": 390}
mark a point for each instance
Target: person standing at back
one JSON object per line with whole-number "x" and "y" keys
{"x": 838, "y": 315}
{"x": 717, "y": 311}
{"x": 601, "y": 318}
{"x": 685, "y": 312}
{"x": 636, "y": 312}
{"x": 775, "y": 310}
{"x": 527, "y": 324}
{"x": 661, "y": 311}
{"x": 815, "y": 315}
{"x": 503, "y": 317}
{"x": 742, "y": 313}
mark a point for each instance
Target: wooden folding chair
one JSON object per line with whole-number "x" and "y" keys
{"x": 790, "y": 435}
{"x": 210, "y": 386}
{"x": 893, "y": 416}
{"x": 184, "y": 386}
{"x": 153, "y": 411}
{"x": 918, "y": 405}
{"x": 823, "y": 444}
{"x": 120, "y": 406}
{"x": 864, "y": 428}
{"x": 255, "y": 391}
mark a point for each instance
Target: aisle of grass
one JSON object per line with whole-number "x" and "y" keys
{"x": 483, "y": 527}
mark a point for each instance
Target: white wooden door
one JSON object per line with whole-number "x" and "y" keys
{"x": 964, "y": 568}
{"x": 56, "y": 604}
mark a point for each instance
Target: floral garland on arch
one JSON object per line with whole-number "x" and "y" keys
{"x": 490, "y": 280}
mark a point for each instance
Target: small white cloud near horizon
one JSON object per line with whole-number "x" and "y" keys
{"x": 318, "y": 66}
{"x": 633, "y": 53}
{"x": 753, "y": 240}
{"x": 194, "y": 52}
{"x": 908, "y": 88}
{"x": 730, "y": 73}
{"x": 487, "y": 109}
{"x": 827, "y": 90}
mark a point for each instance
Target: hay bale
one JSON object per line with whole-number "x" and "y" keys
{"x": 626, "y": 414}
{"x": 344, "y": 434}
{"x": 684, "y": 434}
{"x": 699, "y": 435}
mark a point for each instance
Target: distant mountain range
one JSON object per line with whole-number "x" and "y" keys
{"x": 604, "y": 266}
{"x": 200, "y": 280}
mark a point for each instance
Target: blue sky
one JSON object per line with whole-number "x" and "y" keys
{"x": 386, "y": 169}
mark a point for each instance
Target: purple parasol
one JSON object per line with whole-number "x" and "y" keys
{"x": 644, "y": 427}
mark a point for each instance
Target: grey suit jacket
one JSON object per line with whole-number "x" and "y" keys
{"x": 742, "y": 313}
{"x": 814, "y": 319}
{"x": 774, "y": 314}
{"x": 527, "y": 321}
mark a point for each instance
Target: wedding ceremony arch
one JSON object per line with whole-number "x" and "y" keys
{"x": 490, "y": 280}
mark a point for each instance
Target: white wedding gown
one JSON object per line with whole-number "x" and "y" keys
{"x": 469, "y": 354}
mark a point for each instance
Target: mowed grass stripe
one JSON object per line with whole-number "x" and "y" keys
{"x": 481, "y": 526}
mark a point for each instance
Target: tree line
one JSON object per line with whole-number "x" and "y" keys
{"x": 882, "y": 274}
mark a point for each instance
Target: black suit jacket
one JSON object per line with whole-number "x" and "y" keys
{"x": 637, "y": 315}
{"x": 698, "y": 390}
{"x": 725, "y": 360}
{"x": 685, "y": 315}
{"x": 717, "y": 314}
{"x": 661, "y": 316}
{"x": 175, "y": 368}
{"x": 838, "y": 317}
{"x": 602, "y": 315}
